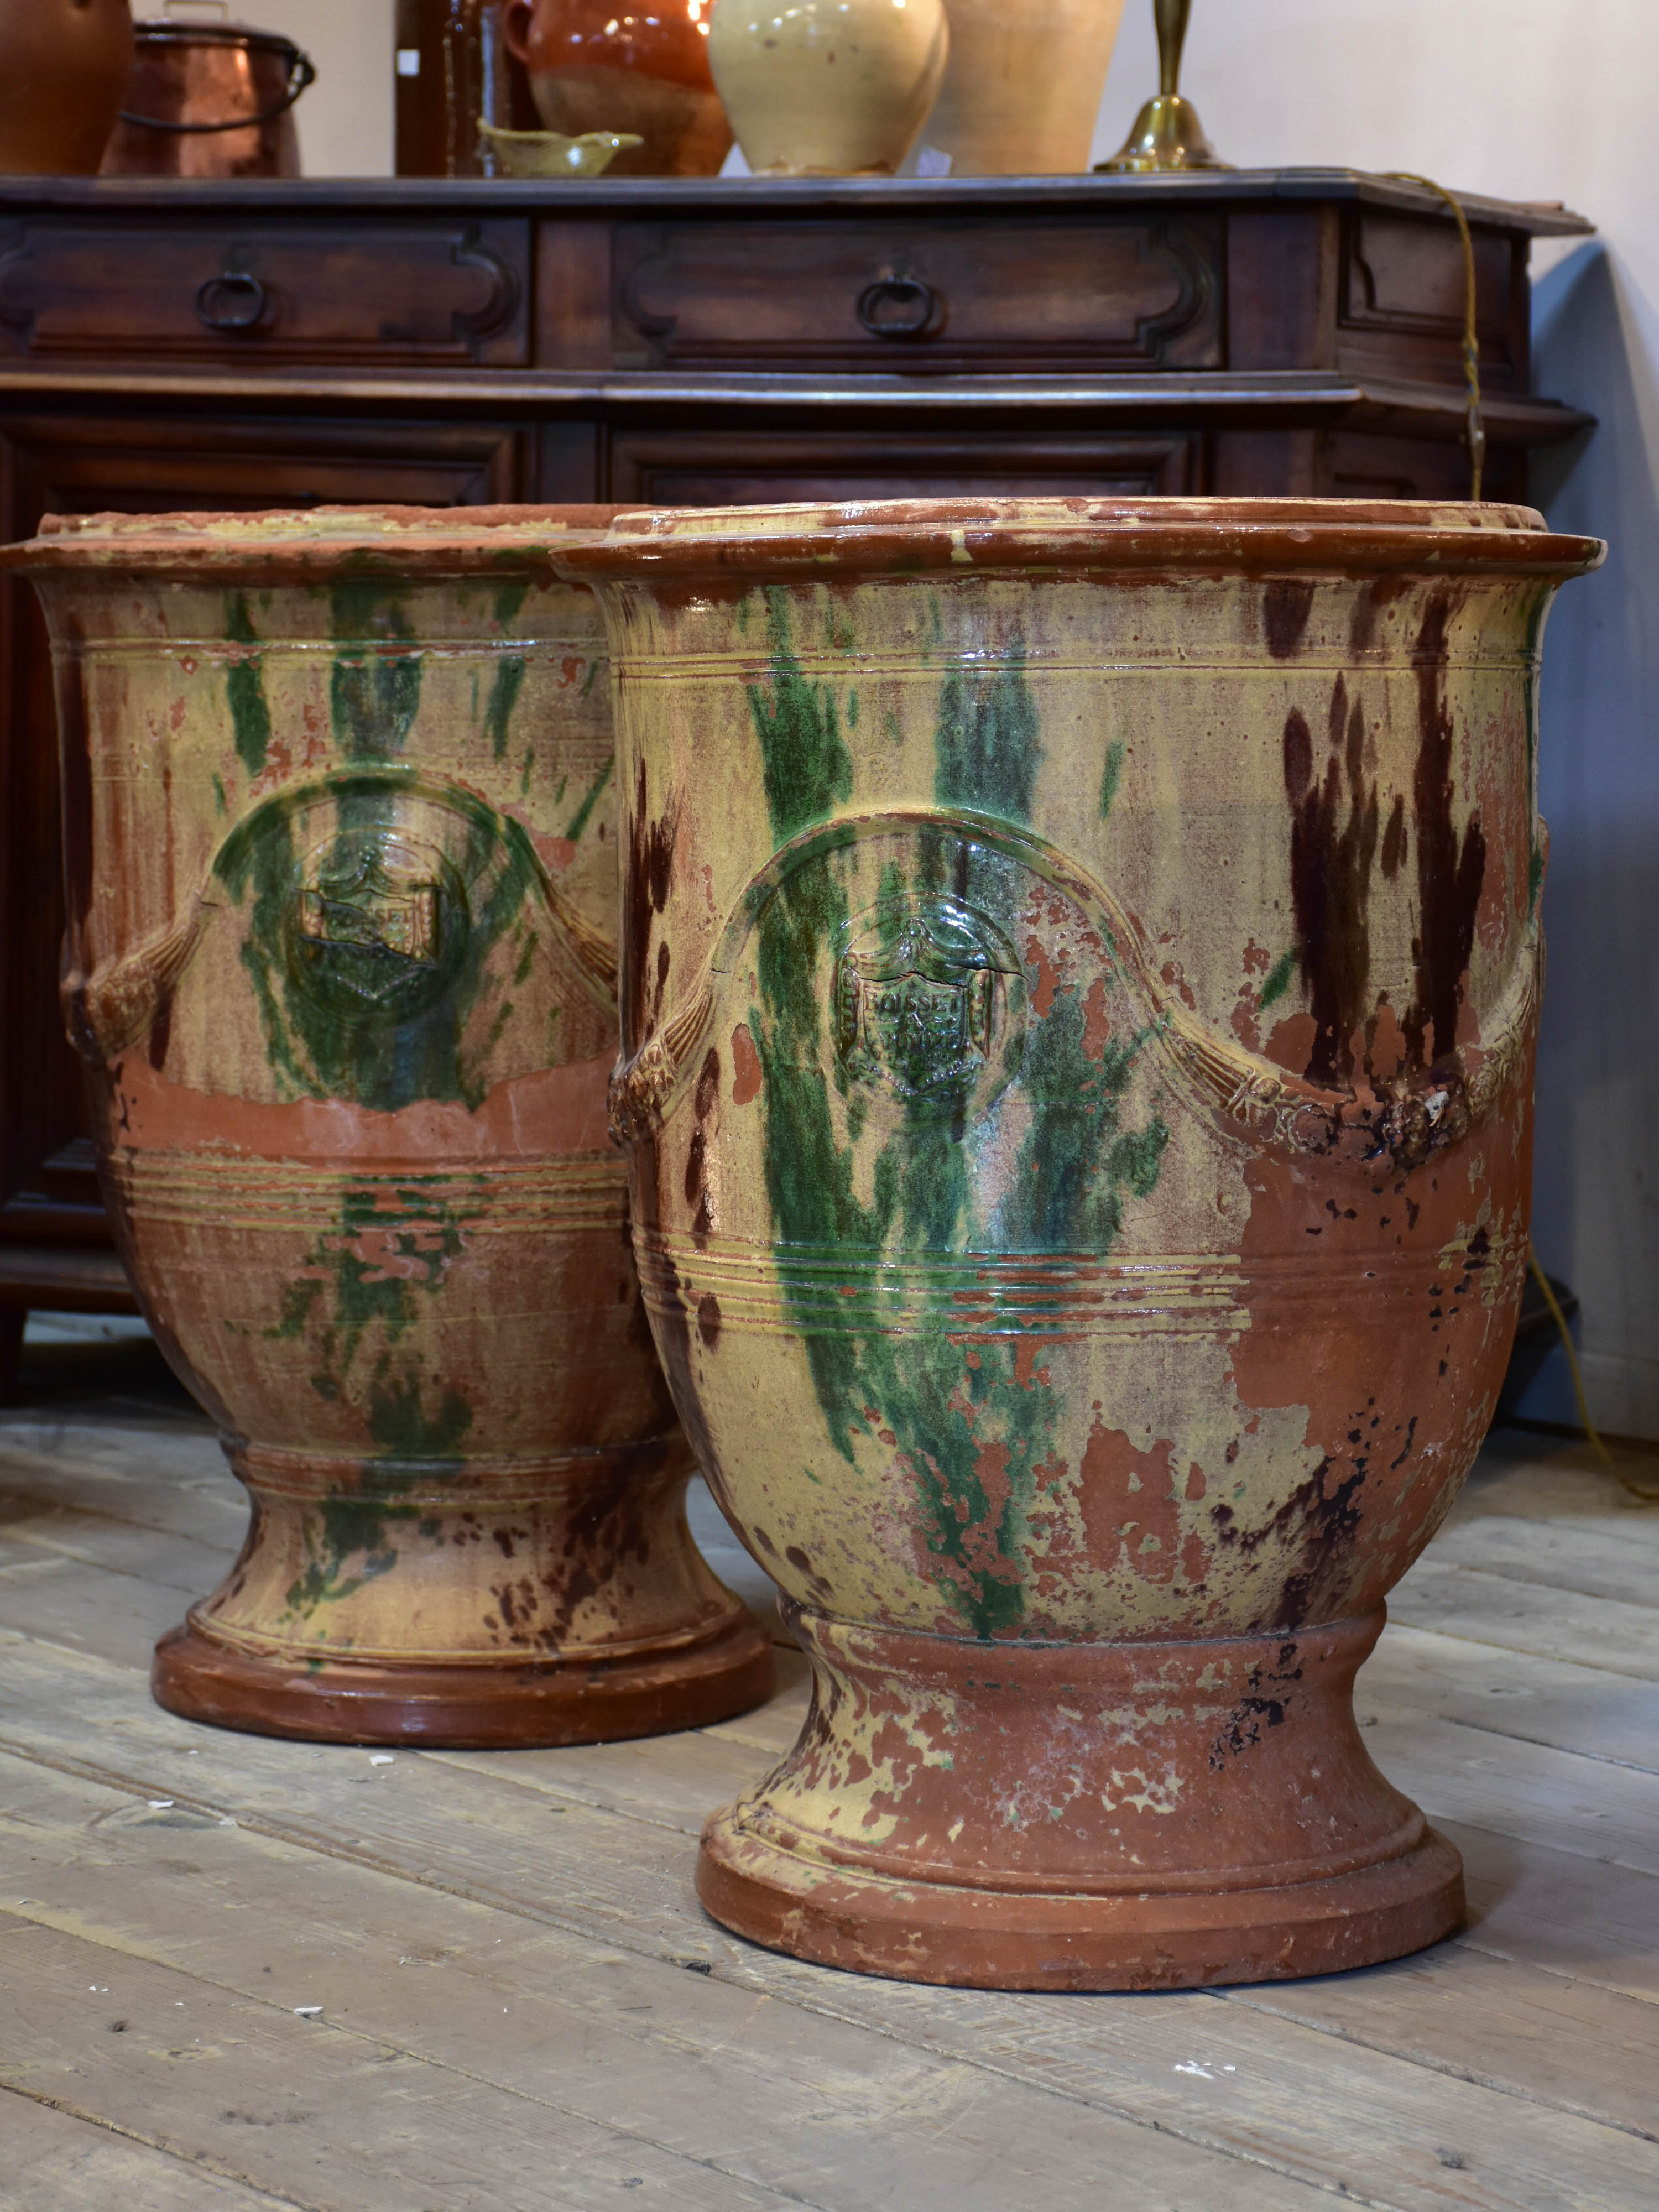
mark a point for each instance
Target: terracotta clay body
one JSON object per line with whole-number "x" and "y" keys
{"x": 341, "y": 953}
{"x": 1080, "y": 975}
{"x": 1022, "y": 88}
{"x": 64, "y": 67}
{"x": 645, "y": 71}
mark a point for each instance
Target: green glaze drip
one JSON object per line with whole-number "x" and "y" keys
{"x": 504, "y": 689}
{"x": 372, "y": 695}
{"x": 988, "y": 745}
{"x": 220, "y": 804}
{"x": 579, "y": 820}
{"x": 245, "y": 691}
{"x": 1109, "y": 774}
{"x": 588, "y": 680}
{"x": 509, "y": 599}
{"x": 346, "y": 1528}
{"x": 970, "y": 1434}
{"x": 806, "y": 769}
{"x": 1278, "y": 981}
{"x": 404, "y": 1431}
{"x": 320, "y": 1045}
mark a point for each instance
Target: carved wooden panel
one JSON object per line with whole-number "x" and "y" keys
{"x": 920, "y": 292}
{"x": 227, "y": 290}
{"x": 734, "y": 467}
{"x": 1404, "y": 287}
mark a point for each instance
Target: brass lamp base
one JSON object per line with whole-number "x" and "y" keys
{"x": 1166, "y": 135}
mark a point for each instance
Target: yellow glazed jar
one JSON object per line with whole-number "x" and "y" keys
{"x": 836, "y": 88}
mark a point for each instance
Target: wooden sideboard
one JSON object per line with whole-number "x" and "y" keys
{"x": 255, "y": 344}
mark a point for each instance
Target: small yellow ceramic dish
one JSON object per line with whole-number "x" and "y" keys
{"x": 551, "y": 154}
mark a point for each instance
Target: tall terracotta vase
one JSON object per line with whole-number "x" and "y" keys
{"x": 64, "y": 67}
{"x": 1022, "y": 88}
{"x": 339, "y": 834}
{"x": 1080, "y": 973}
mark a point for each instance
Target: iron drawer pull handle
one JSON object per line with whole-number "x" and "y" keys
{"x": 915, "y": 305}
{"x": 249, "y": 297}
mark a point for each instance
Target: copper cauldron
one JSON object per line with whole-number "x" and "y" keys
{"x": 210, "y": 99}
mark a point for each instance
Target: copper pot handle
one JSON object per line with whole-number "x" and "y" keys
{"x": 301, "y": 72}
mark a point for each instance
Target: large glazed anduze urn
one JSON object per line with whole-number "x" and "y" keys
{"x": 1080, "y": 964}
{"x": 342, "y": 889}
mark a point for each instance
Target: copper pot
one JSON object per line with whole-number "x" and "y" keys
{"x": 210, "y": 100}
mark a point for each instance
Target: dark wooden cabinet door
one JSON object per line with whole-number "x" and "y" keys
{"x": 69, "y": 464}
{"x": 739, "y": 468}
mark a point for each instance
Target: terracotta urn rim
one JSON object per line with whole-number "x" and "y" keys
{"x": 1255, "y": 536}
{"x": 320, "y": 541}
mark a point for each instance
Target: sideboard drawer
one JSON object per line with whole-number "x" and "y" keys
{"x": 1144, "y": 291}
{"x": 297, "y": 291}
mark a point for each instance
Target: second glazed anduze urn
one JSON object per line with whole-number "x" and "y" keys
{"x": 340, "y": 843}
{"x": 1080, "y": 973}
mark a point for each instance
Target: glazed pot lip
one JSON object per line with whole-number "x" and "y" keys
{"x": 1225, "y": 536}
{"x": 316, "y": 542}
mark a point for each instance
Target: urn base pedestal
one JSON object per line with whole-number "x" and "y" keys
{"x": 1126, "y": 1816}
{"x": 480, "y": 1606}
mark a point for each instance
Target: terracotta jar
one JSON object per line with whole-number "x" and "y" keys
{"x": 63, "y": 68}
{"x": 592, "y": 67}
{"x": 210, "y": 99}
{"x": 1022, "y": 86}
{"x": 828, "y": 87}
{"x": 1079, "y": 970}
{"x": 342, "y": 890}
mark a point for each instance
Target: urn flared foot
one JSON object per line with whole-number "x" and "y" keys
{"x": 1126, "y": 1816}
{"x": 477, "y": 1604}
{"x": 466, "y": 1707}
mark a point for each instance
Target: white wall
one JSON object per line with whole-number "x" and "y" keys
{"x": 1532, "y": 99}
{"x": 345, "y": 120}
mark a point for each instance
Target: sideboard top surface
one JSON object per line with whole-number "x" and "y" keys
{"x": 746, "y": 196}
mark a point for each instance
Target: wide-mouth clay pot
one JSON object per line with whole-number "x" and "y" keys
{"x": 339, "y": 830}
{"x": 1080, "y": 971}
{"x": 642, "y": 72}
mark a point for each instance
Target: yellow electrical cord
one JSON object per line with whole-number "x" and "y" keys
{"x": 1474, "y": 428}
{"x": 1636, "y": 1489}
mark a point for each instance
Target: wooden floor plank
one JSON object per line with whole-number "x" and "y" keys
{"x": 815, "y": 2107}
{"x": 56, "y": 2161}
{"x": 1557, "y": 1479}
{"x": 239, "y": 2085}
{"x": 1508, "y": 2069}
{"x": 1490, "y": 2020}
{"x": 1597, "y": 1558}
{"x": 1553, "y": 1624}
{"x": 1511, "y": 1693}
{"x": 115, "y": 1617}
{"x": 1575, "y": 1917}
{"x": 1528, "y": 1790}
{"x": 625, "y": 1881}
{"x": 185, "y": 1564}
